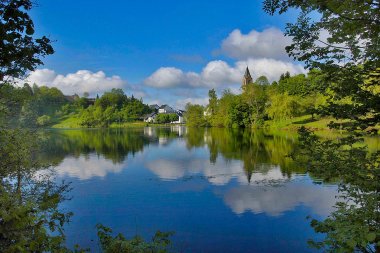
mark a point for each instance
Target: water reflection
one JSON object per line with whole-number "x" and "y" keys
{"x": 255, "y": 160}
{"x": 275, "y": 200}
{"x": 162, "y": 175}
{"x": 113, "y": 144}
{"x": 86, "y": 167}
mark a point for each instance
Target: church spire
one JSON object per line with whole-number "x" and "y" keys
{"x": 247, "y": 78}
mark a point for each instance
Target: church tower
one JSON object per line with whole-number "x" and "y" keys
{"x": 247, "y": 78}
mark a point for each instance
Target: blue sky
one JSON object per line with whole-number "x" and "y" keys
{"x": 164, "y": 51}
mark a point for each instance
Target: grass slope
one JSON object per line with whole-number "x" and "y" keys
{"x": 306, "y": 121}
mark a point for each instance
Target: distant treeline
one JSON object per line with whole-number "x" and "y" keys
{"x": 261, "y": 101}
{"x": 34, "y": 106}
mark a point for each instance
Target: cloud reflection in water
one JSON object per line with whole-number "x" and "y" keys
{"x": 85, "y": 168}
{"x": 268, "y": 191}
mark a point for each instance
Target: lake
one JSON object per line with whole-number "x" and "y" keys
{"x": 219, "y": 190}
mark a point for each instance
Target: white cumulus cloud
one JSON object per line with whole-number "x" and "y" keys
{"x": 165, "y": 77}
{"x": 269, "y": 43}
{"x": 78, "y": 82}
{"x": 263, "y": 52}
{"x": 219, "y": 73}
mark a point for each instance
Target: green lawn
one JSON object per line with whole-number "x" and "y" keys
{"x": 70, "y": 121}
{"x": 73, "y": 121}
{"x": 318, "y": 123}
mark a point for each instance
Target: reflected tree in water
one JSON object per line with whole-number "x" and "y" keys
{"x": 258, "y": 150}
{"x": 113, "y": 144}
{"x": 30, "y": 217}
{"x": 342, "y": 41}
{"x": 355, "y": 223}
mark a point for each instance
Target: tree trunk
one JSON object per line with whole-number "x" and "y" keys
{"x": 18, "y": 190}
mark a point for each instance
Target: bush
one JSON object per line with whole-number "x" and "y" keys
{"x": 163, "y": 118}
{"x": 44, "y": 120}
{"x": 160, "y": 242}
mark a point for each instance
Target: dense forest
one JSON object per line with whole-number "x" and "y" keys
{"x": 43, "y": 106}
{"x": 260, "y": 101}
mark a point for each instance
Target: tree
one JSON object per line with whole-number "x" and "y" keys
{"x": 282, "y": 106}
{"x": 221, "y": 117}
{"x": 20, "y": 50}
{"x": 164, "y": 118}
{"x": 354, "y": 225}
{"x": 115, "y": 97}
{"x": 212, "y": 101}
{"x": 173, "y": 117}
{"x": 160, "y": 242}
{"x": 31, "y": 220}
{"x": 343, "y": 42}
{"x": 255, "y": 96}
{"x": 194, "y": 115}
{"x": 44, "y": 120}
{"x": 295, "y": 85}
{"x": 262, "y": 80}
{"x": 239, "y": 113}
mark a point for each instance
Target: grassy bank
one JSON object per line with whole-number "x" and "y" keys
{"x": 72, "y": 121}
{"x": 317, "y": 123}
{"x": 67, "y": 122}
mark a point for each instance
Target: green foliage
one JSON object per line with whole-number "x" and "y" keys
{"x": 163, "y": 118}
{"x": 262, "y": 80}
{"x": 238, "y": 113}
{"x": 221, "y": 117}
{"x": 212, "y": 101}
{"x": 29, "y": 107}
{"x": 92, "y": 116}
{"x": 349, "y": 53}
{"x": 119, "y": 244}
{"x": 292, "y": 96}
{"x": 20, "y": 51}
{"x": 283, "y": 106}
{"x": 294, "y": 85}
{"x": 355, "y": 224}
{"x": 30, "y": 218}
{"x": 80, "y": 103}
{"x": 113, "y": 106}
{"x": 255, "y": 96}
{"x": 44, "y": 120}
{"x": 134, "y": 110}
{"x": 115, "y": 97}
{"x": 25, "y": 104}
{"x": 194, "y": 116}
{"x": 349, "y": 58}
{"x": 254, "y": 148}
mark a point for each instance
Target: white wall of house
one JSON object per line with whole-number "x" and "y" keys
{"x": 149, "y": 120}
{"x": 179, "y": 121}
{"x": 166, "y": 109}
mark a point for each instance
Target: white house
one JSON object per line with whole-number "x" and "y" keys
{"x": 165, "y": 109}
{"x": 181, "y": 119}
{"x": 150, "y": 118}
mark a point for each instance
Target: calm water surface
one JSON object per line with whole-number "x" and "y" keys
{"x": 218, "y": 190}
